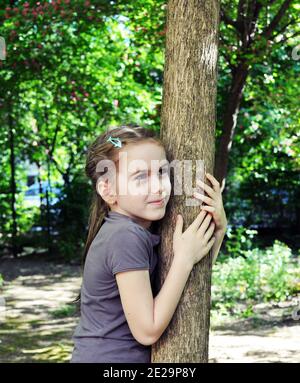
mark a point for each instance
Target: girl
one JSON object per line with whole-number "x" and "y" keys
{"x": 120, "y": 318}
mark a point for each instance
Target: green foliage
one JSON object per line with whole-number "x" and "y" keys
{"x": 263, "y": 179}
{"x": 73, "y": 211}
{"x": 240, "y": 239}
{"x": 263, "y": 275}
{"x": 70, "y": 72}
{"x": 74, "y": 68}
{"x": 64, "y": 311}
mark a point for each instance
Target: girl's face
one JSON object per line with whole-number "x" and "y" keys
{"x": 144, "y": 172}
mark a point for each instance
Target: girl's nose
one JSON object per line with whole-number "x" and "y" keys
{"x": 155, "y": 185}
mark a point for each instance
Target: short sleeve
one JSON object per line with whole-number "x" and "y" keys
{"x": 130, "y": 250}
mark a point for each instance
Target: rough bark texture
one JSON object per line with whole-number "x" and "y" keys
{"x": 188, "y": 132}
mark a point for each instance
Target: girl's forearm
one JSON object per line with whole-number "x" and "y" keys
{"x": 217, "y": 245}
{"x": 166, "y": 301}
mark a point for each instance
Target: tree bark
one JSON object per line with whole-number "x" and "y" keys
{"x": 188, "y": 131}
{"x": 13, "y": 187}
{"x": 48, "y": 208}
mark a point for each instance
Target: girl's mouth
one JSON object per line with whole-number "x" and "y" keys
{"x": 157, "y": 203}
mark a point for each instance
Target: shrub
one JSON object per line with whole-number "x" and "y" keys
{"x": 261, "y": 275}
{"x": 238, "y": 240}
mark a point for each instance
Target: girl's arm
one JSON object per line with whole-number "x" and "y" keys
{"x": 148, "y": 318}
{"x": 217, "y": 245}
{"x": 167, "y": 299}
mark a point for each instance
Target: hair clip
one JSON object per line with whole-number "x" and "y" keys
{"x": 115, "y": 141}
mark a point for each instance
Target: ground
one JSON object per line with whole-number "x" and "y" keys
{"x": 272, "y": 336}
{"x": 36, "y": 320}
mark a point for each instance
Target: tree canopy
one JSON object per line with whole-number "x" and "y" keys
{"x": 72, "y": 68}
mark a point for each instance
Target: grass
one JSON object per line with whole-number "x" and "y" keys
{"x": 23, "y": 344}
{"x": 64, "y": 311}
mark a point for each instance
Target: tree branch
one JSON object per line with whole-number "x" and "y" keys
{"x": 240, "y": 12}
{"x": 281, "y": 30}
{"x": 276, "y": 20}
{"x": 257, "y": 6}
{"x": 227, "y": 20}
{"x": 50, "y": 155}
{"x": 287, "y": 38}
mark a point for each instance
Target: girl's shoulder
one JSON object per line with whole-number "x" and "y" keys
{"x": 133, "y": 232}
{"x": 129, "y": 232}
{"x": 124, "y": 234}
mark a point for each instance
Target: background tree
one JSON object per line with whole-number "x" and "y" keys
{"x": 256, "y": 27}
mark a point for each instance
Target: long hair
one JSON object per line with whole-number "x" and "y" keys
{"x": 101, "y": 149}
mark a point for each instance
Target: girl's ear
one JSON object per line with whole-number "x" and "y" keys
{"x": 106, "y": 190}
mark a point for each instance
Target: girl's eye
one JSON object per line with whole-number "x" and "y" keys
{"x": 141, "y": 176}
{"x": 144, "y": 175}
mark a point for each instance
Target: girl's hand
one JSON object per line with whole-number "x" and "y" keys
{"x": 214, "y": 202}
{"x": 192, "y": 245}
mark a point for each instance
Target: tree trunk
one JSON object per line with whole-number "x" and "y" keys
{"x": 48, "y": 207}
{"x": 40, "y": 186}
{"x": 188, "y": 132}
{"x": 229, "y": 121}
{"x": 13, "y": 187}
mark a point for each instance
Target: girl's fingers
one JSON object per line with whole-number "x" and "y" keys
{"x": 198, "y": 221}
{"x": 207, "y": 188}
{"x": 207, "y": 200}
{"x": 214, "y": 182}
{"x": 204, "y": 225}
{"x": 209, "y": 232}
{"x": 208, "y": 208}
{"x": 210, "y": 244}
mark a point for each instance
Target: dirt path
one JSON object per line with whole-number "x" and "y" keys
{"x": 37, "y": 323}
{"x": 273, "y": 336}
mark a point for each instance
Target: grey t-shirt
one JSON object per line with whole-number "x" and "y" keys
{"x": 103, "y": 334}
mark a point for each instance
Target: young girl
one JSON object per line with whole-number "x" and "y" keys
{"x": 120, "y": 318}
